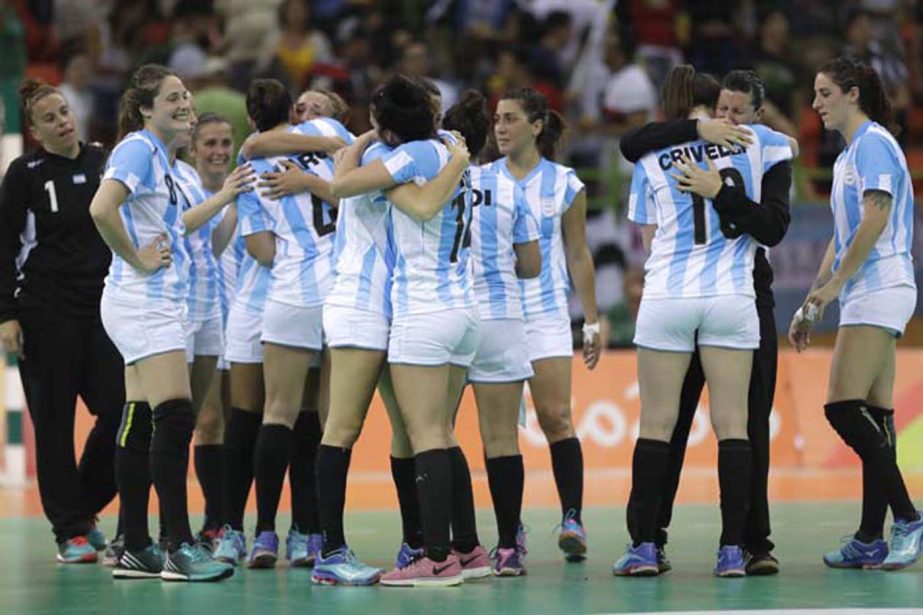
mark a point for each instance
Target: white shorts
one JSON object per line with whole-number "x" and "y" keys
{"x": 888, "y": 308}
{"x": 205, "y": 338}
{"x": 243, "y": 336}
{"x": 549, "y": 337}
{"x": 501, "y": 355}
{"x": 726, "y": 321}
{"x": 347, "y": 327}
{"x": 293, "y": 326}
{"x": 440, "y": 338}
{"x": 143, "y": 329}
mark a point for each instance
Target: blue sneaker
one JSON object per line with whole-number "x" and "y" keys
{"x": 343, "y": 568}
{"x": 730, "y": 562}
{"x": 521, "y": 539}
{"x": 96, "y": 538}
{"x": 407, "y": 555}
{"x": 296, "y": 548}
{"x": 194, "y": 563}
{"x": 76, "y": 550}
{"x": 231, "y": 547}
{"x": 572, "y": 539}
{"x": 640, "y": 561}
{"x": 265, "y": 551}
{"x": 855, "y": 554}
{"x": 315, "y": 546}
{"x": 906, "y": 544}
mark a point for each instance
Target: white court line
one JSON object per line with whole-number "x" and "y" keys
{"x": 795, "y": 612}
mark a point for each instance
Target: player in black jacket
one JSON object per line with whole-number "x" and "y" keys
{"x": 52, "y": 265}
{"x": 766, "y": 221}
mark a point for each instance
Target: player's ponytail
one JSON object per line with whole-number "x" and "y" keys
{"x": 848, "y": 73}
{"x": 678, "y": 92}
{"x": 535, "y": 106}
{"x": 469, "y": 116}
{"x": 143, "y": 89}
{"x": 30, "y": 92}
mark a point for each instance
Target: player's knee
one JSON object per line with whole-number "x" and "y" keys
{"x": 342, "y": 433}
{"x": 135, "y": 431}
{"x": 555, "y": 422}
{"x": 209, "y": 428}
{"x": 173, "y": 426}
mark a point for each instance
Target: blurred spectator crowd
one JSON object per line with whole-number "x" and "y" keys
{"x": 600, "y": 62}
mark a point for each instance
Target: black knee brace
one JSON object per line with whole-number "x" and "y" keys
{"x": 857, "y": 427}
{"x": 174, "y": 423}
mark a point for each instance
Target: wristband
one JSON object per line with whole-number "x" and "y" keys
{"x": 590, "y": 331}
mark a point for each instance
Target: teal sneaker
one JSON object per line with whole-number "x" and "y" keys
{"x": 146, "y": 564}
{"x": 856, "y": 554}
{"x": 194, "y": 563}
{"x": 96, "y": 538}
{"x": 231, "y": 547}
{"x": 296, "y": 549}
{"x": 906, "y": 544}
{"x": 343, "y": 568}
{"x": 76, "y": 550}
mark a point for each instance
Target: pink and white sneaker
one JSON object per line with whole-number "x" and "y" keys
{"x": 424, "y": 572}
{"x": 475, "y": 564}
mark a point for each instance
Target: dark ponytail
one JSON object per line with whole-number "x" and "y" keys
{"x": 269, "y": 103}
{"x": 469, "y": 116}
{"x": 402, "y": 106}
{"x": 143, "y": 89}
{"x": 30, "y": 92}
{"x": 677, "y": 94}
{"x": 535, "y": 106}
{"x": 850, "y": 73}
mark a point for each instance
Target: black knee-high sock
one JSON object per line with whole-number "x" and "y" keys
{"x": 133, "y": 474}
{"x": 403, "y": 471}
{"x": 434, "y": 491}
{"x": 734, "y": 479}
{"x": 302, "y": 477}
{"x": 209, "y": 468}
{"x": 239, "y": 445}
{"x": 273, "y": 455}
{"x": 648, "y": 471}
{"x": 874, "y": 500}
{"x": 855, "y": 425}
{"x": 464, "y": 524}
{"x": 332, "y": 469}
{"x": 506, "y": 478}
{"x": 173, "y": 425}
{"x": 567, "y": 464}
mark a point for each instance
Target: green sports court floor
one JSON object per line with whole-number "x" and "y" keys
{"x": 32, "y": 583}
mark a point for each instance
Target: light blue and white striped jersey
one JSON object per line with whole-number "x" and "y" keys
{"x": 873, "y": 161}
{"x": 324, "y": 127}
{"x": 204, "y": 300}
{"x": 229, "y": 269}
{"x": 363, "y": 254}
{"x": 253, "y": 280}
{"x": 140, "y": 162}
{"x": 303, "y": 226}
{"x": 690, "y": 256}
{"x": 549, "y": 190}
{"x": 431, "y": 268}
{"x": 500, "y": 218}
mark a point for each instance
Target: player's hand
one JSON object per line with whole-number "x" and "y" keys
{"x": 694, "y": 179}
{"x": 11, "y": 336}
{"x": 155, "y": 255}
{"x": 723, "y": 132}
{"x": 820, "y": 298}
{"x": 592, "y": 344}
{"x": 459, "y": 150}
{"x": 799, "y": 331}
{"x": 239, "y": 181}
{"x": 278, "y": 184}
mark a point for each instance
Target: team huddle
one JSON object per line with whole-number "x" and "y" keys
{"x": 258, "y": 310}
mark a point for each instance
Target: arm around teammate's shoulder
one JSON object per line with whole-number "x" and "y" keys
{"x": 765, "y": 220}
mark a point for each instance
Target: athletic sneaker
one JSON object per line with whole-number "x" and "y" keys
{"x": 296, "y": 548}
{"x": 730, "y": 562}
{"x": 96, "y": 538}
{"x": 265, "y": 551}
{"x": 906, "y": 544}
{"x": 194, "y": 563}
{"x": 640, "y": 561}
{"x": 508, "y": 562}
{"x": 114, "y": 552}
{"x": 343, "y": 568}
{"x": 475, "y": 564}
{"x": 315, "y": 546}
{"x": 663, "y": 562}
{"x": 855, "y": 554}
{"x": 572, "y": 539}
{"x": 231, "y": 547}
{"x": 207, "y": 539}
{"x": 521, "y": 539}
{"x": 144, "y": 564}
{"x": 760, "y": 563}
{"x": 424, "y": 572}
{"x": 76, "y": 550}
{"x": 407, "y": 555}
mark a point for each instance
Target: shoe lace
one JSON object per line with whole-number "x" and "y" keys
{"x": 79, "y": 541}
{"x": 569, "y": 517}
{"x": 197, "y": 553}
